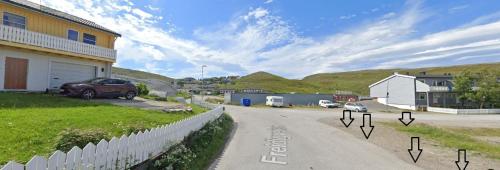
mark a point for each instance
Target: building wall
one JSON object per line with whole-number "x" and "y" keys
{"x": 39, "y": 66}
{"x": 43, "y": 23}
{"x": 401, "y": 91}
{"x": 295, "y": 99}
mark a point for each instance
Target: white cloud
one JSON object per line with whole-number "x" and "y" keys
{"x": 347, "y": 16}
{"x": 261, "y": 41}
{"x": 268, "y": 1}
{"x": 457, "y": 8}
{"x": 152, "y": 8}
{"x": 257, "y": 13}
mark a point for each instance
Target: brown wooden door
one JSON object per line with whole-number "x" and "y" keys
{"x": 16, "y": 73}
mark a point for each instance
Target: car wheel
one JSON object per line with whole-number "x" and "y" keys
{"x": 130, "y": 95}
{"x": 88, "y": 94}
{"x": 357, "y": 110}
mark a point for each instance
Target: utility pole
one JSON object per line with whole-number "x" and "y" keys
{"x": 202, "y": 83}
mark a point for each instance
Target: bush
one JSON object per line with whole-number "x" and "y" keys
{"x": 185, "y": 95}
{"x": 135, "y": 129}
{"x": 142, "y": 89}
{"x": 199, "y": 149}
{"x": 179, "y": 157}
{"x": 77, "y": 137}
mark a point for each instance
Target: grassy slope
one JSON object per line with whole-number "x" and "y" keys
{"x": 272, "y": 83}
{"x": 140, "y": 74}
{"x": 356, "y": 81}
{"x": 31, "y": 122}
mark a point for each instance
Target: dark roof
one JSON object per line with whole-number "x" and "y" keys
{"x": 434, "y": 76}
{"x": 59, "y": 14}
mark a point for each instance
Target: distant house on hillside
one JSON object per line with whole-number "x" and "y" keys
{"x": 413, "y": 92}
{"x": 224, "y": 91}
{"x": 252, "y": 91}
{"x": 41, "y": 48}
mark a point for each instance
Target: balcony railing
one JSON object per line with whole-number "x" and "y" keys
{"x": 439, "y": 89}
{"x": 22, "y": 36}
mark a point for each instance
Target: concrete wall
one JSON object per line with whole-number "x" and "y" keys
{"x": 295, "y": 99}
{"x": 39, "y": 66}
{"x": 401, "y": 91}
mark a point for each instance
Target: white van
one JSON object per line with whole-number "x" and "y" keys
{"x": 274, "y": 101}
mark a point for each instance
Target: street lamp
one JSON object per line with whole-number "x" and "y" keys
{"x": 202, "y": 83}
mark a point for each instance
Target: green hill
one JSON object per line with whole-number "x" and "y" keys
{"x": 272, "y": 83}
{"x": 139, "y": 74}
{"x": 355, "y": 81}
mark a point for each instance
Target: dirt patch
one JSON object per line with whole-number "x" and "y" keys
{"x": 434, "y": 156}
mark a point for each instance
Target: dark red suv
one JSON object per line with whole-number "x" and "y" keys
{"x": 100, "y": 87}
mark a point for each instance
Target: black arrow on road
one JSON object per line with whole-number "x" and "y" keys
{"x": 350, "y": 118}
{"x": 406, "y": 122}
{"x": 462, "y": 164}
{"x": 415, "y": 153}
{"x": 367, "y": 128}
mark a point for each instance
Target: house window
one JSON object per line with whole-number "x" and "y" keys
{"x": 14, "y": 20}
{"x": 89, "y": 39}
{"x": 435, "y": 97}
{"x": 422, "y": 96}
{"x": 73, "y": 35}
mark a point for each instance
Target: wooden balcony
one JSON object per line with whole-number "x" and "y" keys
{"x": 48, "y": 43}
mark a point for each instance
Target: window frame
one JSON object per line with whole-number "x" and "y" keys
{"x": 77, "y": 35}
{"x": 86, "y": 40}
{"x": 4, "y": 14}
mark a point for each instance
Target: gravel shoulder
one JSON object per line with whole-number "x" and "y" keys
{"x": 434, "y": 156}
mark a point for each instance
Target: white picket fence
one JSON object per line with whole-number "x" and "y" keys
{"x": 123, "y": 152}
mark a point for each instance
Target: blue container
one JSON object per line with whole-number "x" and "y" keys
{"x": 246, "y": 102}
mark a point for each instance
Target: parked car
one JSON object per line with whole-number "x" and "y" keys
{"x": 274, "y": 101}
{"x": 328, "y": 104}
{"x": 358, "y": 107}
{"x": 100, "y": 87}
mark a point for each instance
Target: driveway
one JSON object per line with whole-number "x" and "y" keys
{"x": 273, "y": 138}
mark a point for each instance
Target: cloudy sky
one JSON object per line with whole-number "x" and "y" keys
{"x": 293, "y": 38}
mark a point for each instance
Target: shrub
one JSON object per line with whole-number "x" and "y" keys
{"x": 142, "y": 89}
{"x": 178, "y": 157}
{"x": 77, "y": 137}
{"x": 135, "y": 129}
{"x": 199, "y": 149}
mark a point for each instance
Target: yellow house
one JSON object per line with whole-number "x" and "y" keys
{"x": 41, "y": 48}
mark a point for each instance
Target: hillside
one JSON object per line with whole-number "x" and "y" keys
{"x": 139, "y": 74}
{"x": 356, "y": 81}
{"x": 272, "y": 83}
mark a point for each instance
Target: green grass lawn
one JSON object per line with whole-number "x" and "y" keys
{"x": 456, "y": 138}
{"x": 31, "y": 123}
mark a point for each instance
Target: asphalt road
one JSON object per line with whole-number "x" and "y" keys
{"x": 273, "y": 138}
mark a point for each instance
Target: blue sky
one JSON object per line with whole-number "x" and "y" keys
{"x": 294, "y": 38}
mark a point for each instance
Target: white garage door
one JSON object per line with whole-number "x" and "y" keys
{"x": 61, "y": 73}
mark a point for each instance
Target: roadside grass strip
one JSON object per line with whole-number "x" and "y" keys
{"x": 456, "y": 138}
{"x": 199, "y": 149}
{"x": 32, "y": 124}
